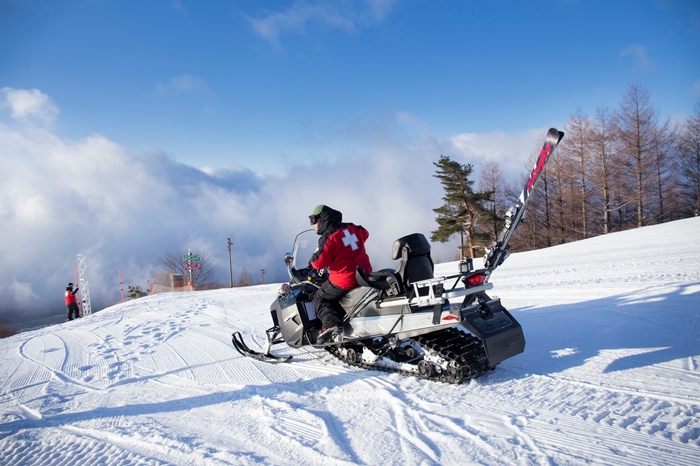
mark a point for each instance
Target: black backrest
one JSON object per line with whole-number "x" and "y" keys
{"x": 416, "y": 264}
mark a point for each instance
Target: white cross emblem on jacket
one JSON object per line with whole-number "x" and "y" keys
{"x": 349, "y": 239}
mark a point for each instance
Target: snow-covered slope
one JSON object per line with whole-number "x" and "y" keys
{"x": 610, "y": 375}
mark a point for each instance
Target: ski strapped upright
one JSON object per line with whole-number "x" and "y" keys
{"x": 498, "y": 251}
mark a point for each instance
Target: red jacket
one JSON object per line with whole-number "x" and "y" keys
{"x": 70, "y": 297}
{"x": 343, "y": 251}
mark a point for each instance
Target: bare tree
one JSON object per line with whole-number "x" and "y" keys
{"x": 689, "y": 151}
{"x": 636, "y": 121}
{"x": 491, "y": 180}
{"x": 174, "y": 263}
{"x": 577, "y": 147}
{"x": 606, "y": 169}
{"x": 618, "y": 170}
{"x": 664, "y": 170}
{"x": 564, "y": 189}
{"x": 537, "y": 227}
{"x": 6, "y": 331}
{"x": 245, "y": 279}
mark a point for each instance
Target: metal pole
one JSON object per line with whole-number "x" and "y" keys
{"x": 262, "y": 276}
{"x": 230, "y": 267}
{"x": 84, "y": 288}
{"x": 77, "y": 282}
{"x": 189, "y": 253}
{"x": 121, "y": 283}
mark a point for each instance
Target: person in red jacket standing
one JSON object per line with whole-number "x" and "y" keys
{"x": 71, "y": 302}
{"x": 341, "y": 248}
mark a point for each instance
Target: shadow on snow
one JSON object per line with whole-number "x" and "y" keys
{"x": 646, "y": 328}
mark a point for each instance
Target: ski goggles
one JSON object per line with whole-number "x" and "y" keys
{"x": 314, "y": 219}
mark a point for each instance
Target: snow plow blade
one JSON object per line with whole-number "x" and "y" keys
{"x": 242, "y": 348}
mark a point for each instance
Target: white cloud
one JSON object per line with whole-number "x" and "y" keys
{"x": 59, "y": 198}
{"x": 695, "y": 88}
{"x": 183, "y": 82}
{"x": 29, "y": 105}
{"x": 376, "y": 10}
{"x": 509, "y": 150}
{"x": 22, "y": 292}
{"x": 344, "y": 15}
{"x": 177, "y": 5}
{"x": 638, "y": 55}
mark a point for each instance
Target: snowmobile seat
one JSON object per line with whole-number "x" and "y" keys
{"x": 385, "y": 280}
{"x": 416, "y": 263}
{"x": 361, "y": 301}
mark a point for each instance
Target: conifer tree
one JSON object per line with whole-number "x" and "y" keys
{"x": 463, "y": 207}
{"x": 135, "y": 291}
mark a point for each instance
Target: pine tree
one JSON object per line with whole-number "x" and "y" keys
{"x": 463, "y": 207}
{"x": 135, "y": 291}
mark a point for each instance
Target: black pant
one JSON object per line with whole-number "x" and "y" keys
{"x": 73, "y": 309}
{"x": 327, "y": 306}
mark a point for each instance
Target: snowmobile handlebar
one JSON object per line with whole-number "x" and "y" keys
{"x": 308, "y": 274}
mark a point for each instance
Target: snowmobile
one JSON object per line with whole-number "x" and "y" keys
{"x": 407, "y": 320}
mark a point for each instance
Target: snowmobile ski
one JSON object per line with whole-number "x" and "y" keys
{"x": 242, "y": 348}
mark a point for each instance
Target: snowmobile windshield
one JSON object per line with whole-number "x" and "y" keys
{"x": 305, "y": 245}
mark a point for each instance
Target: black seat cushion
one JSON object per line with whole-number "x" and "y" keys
{"x": 386, "y": 280}
{"x": 416, "y": 263}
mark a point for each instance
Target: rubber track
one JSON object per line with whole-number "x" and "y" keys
{"x": 464, "y": 351}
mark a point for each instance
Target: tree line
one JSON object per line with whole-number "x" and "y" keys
{"x": 202, "y": 278}
{"x": 615, "y": 170}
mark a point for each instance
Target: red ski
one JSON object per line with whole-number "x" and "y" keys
{"x": 497, "y": 253}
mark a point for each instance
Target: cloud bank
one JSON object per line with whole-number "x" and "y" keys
{"x": 60, "y": 198}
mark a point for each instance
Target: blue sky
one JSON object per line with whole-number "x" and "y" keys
{"x": 220, "y": 83}
{"x": 131, "y": 128}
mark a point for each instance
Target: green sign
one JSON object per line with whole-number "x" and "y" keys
{"x": 192, "y": 257}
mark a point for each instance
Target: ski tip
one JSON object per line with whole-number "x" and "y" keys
{"x": 556, "y": 134}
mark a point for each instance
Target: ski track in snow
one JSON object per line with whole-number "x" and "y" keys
{"x": 609, "y": 376}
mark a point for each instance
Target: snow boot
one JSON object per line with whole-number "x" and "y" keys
{"x": 328, "y": 334}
